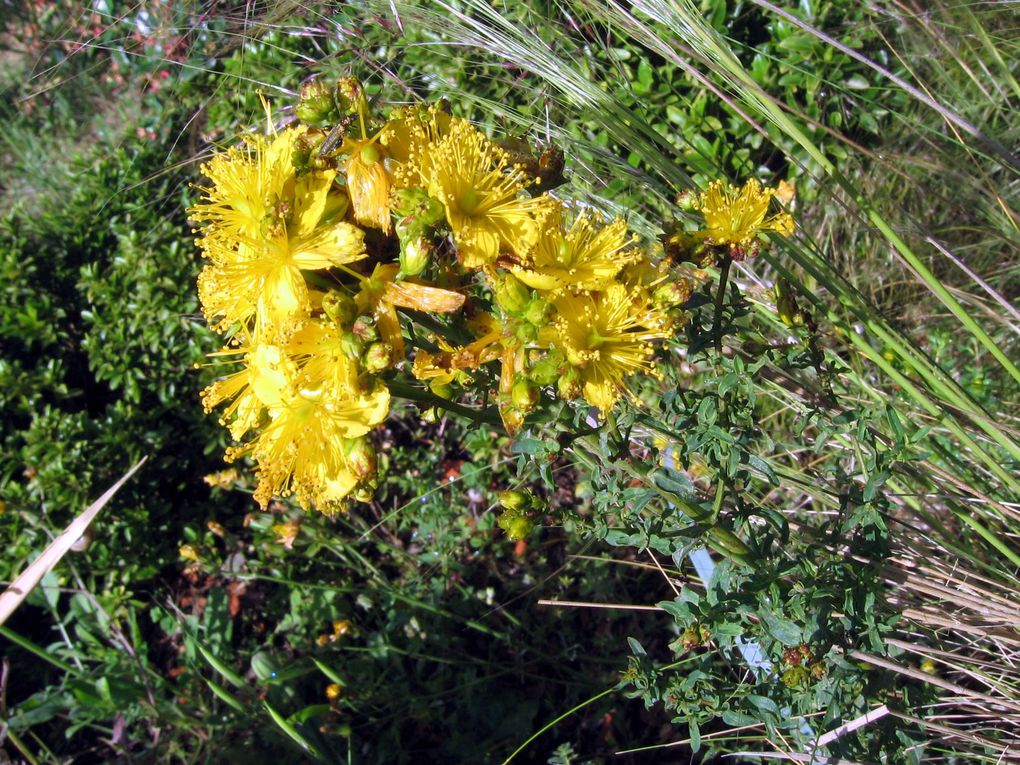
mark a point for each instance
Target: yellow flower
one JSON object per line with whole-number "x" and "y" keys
{"x": 587, "y": 256}
{"x": 483, "y": 196}
{"x": 224, "y": 479}
{"x": 263, "y": 382}
{"x": 265, "y": 225}
{"x": 302, "y": 450}
{"x": 737, "y": 216}
{"x": 408, "y": 133}
{"x": 287, "y": 533}
{"x": 248, "y": 184}
{"x": 381, "y": 294}
{"x": 317, "y": 350}
{"x": 334, "y": 691}
{"x": 608, "y": 336}
{"x": 368, "y": 183}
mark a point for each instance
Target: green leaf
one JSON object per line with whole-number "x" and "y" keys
{"x": 225, "y": 696}
{"x": 230, "y": 675}
{"x": 763, "y": 468}
{"x": 783, "y": 630}
{"x": 677, "y": 609}
{"x": 636, "y": 648}
{"x": 766, "y": 706}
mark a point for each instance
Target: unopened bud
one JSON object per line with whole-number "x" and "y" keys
{"x": 365, "y": 329}
{"x": 360, "y": 457}
{"x": 546, "y": 371}
{"x": 519, "y": 528}
{"x": 414, "y": 256}
{"x": 786, "y": 304}
{"x": 511, "y": 294}
{"x": 351, "y": 345}
{"x": 441, "y": 389}
{"x": 316, "y": 106}
{"x": 536, "y": 311}
{"x": 569, "y": 384}
{"x": 377, "y": 357}
{"x": 524, "y": 395}
{"x": 673, "y": 294}
{"x": 301, "y": 157}
{"x": 365, "y": 491}
{"x": 526, "y": 332}
{"x": 515, "y": 501}
{"x": 687, "y": 200}
{"x": 406, "y": 202}
{"x": 431, "y": 212}
{"x": 350, "y": 96}
{"x": 339, "y": 307}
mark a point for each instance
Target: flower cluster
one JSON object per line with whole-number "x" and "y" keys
{"x": 344, "y": 253}
{"x": 735, "y": 220}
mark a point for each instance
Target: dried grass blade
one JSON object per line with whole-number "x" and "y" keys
{"x": 51, "y": 556}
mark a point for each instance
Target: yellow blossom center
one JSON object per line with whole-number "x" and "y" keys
{"x": 469, "y": 201}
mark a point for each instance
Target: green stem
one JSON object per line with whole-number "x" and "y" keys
{"x": 39, "y": 651}
{"x": 422, "y": 396}
{"x": 563, "y": 716}
{"x": 720, "y": 299}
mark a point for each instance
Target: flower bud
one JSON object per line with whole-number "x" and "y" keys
{"x": 526, "y": 332}
{"x": 431, "y": 212}
{"x": 365, "y": 491}
{"x": 360, "y": 457}
{"x": 377, "y": 357}
{"x": 316, "y": 106}
{"x": 339, "y": 307}
{"x": 334, "y": 691}
{"x": 414, "y": 256}
{"x": 536, "y": 311}
{"x": 351, "y": 345}
{"x": 516, "y": 523}
{"x": 673, "y": 294}
{"x": 365, "y": 329}
{"x": 511, "y": 294}
{"x": 687, "y": 200}
{"x": 786, "y": 304}
{"x": 350, "y": 96}
{"x": 524, "y": 395}
{"x": 188, "y": 552}
{"x": 795, "y": 677}
{"x": 441, "y": 389}
{"x": 407, "y": 202}
{"x": 568, "y": 386}
{"x": 547, "y": 371}
{"x": 515, "y": 501}
{"x": 519, "y": 528}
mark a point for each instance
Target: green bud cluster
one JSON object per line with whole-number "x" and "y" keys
{"x": 317, "y": 106}
{"x": 519, "y": 507}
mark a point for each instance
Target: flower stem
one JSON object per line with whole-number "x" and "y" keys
{"x": 720, "y": 298}
{"x": 423, "y": 396}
